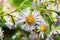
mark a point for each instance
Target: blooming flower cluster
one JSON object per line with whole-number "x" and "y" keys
{"x": 32, "y": 23}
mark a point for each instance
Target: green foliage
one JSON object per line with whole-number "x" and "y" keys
{"x": 16, "y": 2}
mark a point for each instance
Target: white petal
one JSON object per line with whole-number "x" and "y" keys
{"x": 37, "y": 23}
{"x": 33, "y": 36}
{"x": 35, "y": 13}
{"x": 23, "y": 27}
{"x": 41, "y": 35}
{"x": 0, "y": 29}
{"x": 9, "y": 25}
{"x": 58, "y": 31}
{"x": 59, "y": 17}
{"x": 40, "y": 20}
{"x": 14, "y": 37}
{"x": 50, "y": 37}
{"x": 26, "y": 12}
{"x": 20, "y": 21}
{"x": 54, "y": 15}
{"x": 16, "y": 14}
{"x": 6, "y": 18}
{"x": 27, "y": 27}
{"x": 54, "y": 32}
{"x": 31, "y": 27}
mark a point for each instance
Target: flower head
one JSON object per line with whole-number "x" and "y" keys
{"x": 31, "y": 20}
{"x": 11, "y": 21}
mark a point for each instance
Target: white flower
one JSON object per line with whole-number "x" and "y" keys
{"x": 42, "y": 30}
{"x": 30, "y": 19}
{"x": 1, "y": 33}
{"x": 11, "y": 22}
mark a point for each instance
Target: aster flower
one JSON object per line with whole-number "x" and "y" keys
{"x": 11, "y": 21}
{"x": 42, "y": 33}
{"x": 53, "y": 33}
{"x": 30, "y": 19}
{"x": 1, "y": 33}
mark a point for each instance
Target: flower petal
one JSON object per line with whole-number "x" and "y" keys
{"x": 27, "y": 27}
{"x": 26, "y": 12}
{"x": 16, "y": 14}
{"x": 6, "y": 18}
{"x": 54, "y": 15}
{"x": 9, "y": 25}
{"x": 35, "y": 13}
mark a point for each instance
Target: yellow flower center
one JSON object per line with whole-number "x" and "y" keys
{"x": 43, "y": 28}
{"x": 35, "y": 0}
{"x": 11, "y": 19}
{"x": 30, "y": 19}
